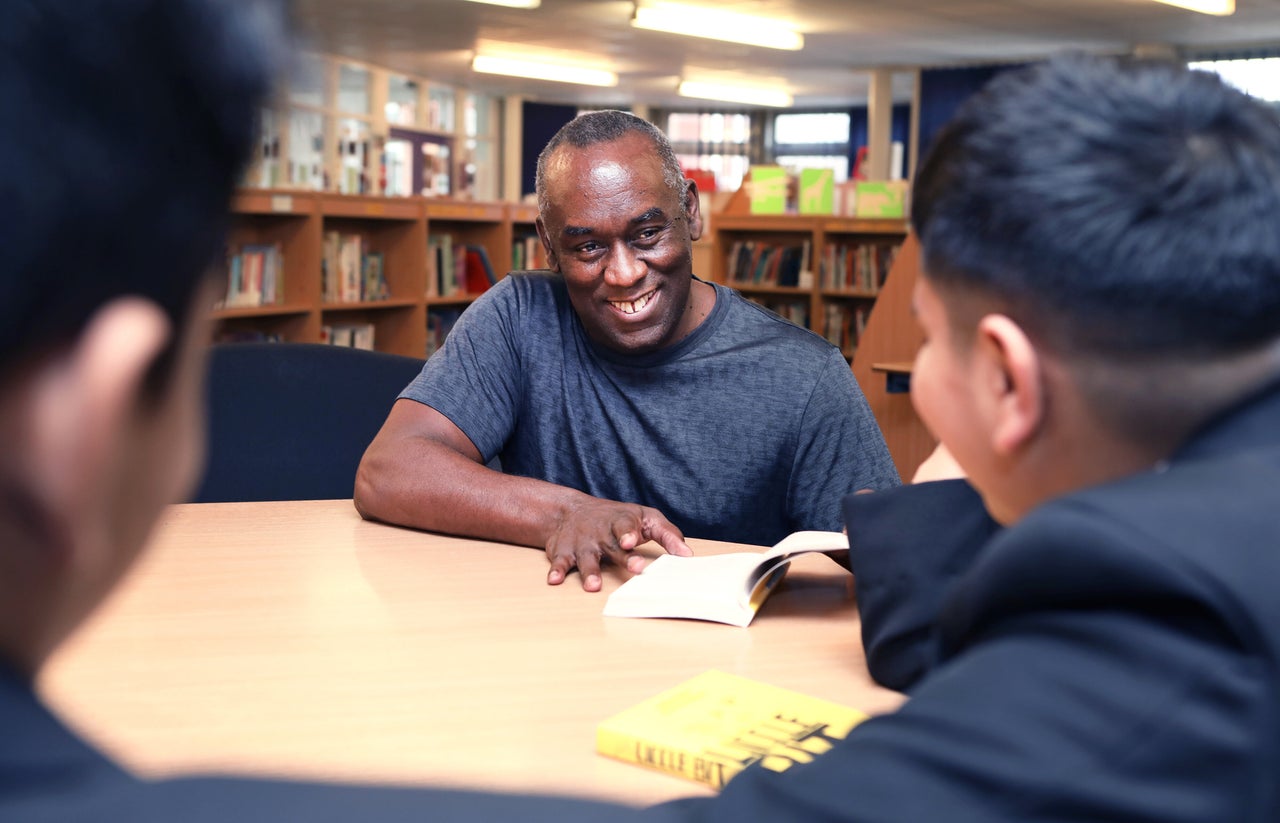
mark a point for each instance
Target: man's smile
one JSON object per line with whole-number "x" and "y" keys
{"x": 630, "y": 308}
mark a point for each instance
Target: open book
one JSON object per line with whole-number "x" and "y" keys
{"x": 723, "y": 588}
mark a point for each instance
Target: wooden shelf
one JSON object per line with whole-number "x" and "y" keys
{"x": 897, "y": 376}
{"x": 836, "y": 313}
{"x": 848, "y": 294}
{"x": 395, "y": 227}
{"x": 883, "y": 364}
{"x": 394, "y": 303}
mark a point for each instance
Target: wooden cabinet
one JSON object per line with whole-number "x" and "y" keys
{"x": 883, "y": 363}
{"x": 394, "y": 230}
{"x": 820, "y": 272}
{"x": 299, "y": 226}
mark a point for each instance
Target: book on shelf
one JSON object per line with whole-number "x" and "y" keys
{"x": 752, "y": 262}
{"x": 349, "y": 271}
{"x": 439, "y": 324}
{"x": 817, "y": 191}
{"x": 843, "y": 326}
{"x": 255, "y": 276}
{"x": 862, "y": 266}
{"x": 767, "y": 186}
{"x": 712, "y": 726}
{"x": 373, "y": 281}
{"x": 527, "y": 253}
{"x": 351, "y": 335}
{"x": 479, "y": 271}
{"x": 881, "y": 198}
{"x": 446, "y": 266}
{"x": 794, "y": 311}
{"x": 722, "y": 588}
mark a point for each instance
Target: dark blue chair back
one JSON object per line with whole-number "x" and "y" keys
{"x": 290, "y": 421}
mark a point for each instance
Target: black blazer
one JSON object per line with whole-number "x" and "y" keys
{"x": 1115, "y": 655}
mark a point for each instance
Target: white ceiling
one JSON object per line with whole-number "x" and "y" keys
{"x": 843, "y": 38}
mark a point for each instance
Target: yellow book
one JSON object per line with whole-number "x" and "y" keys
{"x": 713, "y": 726}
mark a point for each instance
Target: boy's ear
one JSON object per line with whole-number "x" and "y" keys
{"x": 1010, "y": 375}
{"x": 82, "y": 402}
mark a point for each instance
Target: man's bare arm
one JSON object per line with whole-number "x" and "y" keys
{"x": 422, "y": 471}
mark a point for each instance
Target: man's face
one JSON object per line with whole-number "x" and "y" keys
{"x": 622, "y": 239}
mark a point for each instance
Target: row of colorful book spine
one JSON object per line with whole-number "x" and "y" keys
{"x": 856, "y": 266}
{"x": 752, "y": 262}
{"x": 255, "y": 276}
{"x": 350, "y": 273}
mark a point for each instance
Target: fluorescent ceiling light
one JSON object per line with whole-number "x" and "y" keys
{"x": 751, "y": 95}
{"x": 515, "y": 4}
{"x": 1220, "y": 8}
{"x": 699, "y": 21}
{"x": 558, "y": 72}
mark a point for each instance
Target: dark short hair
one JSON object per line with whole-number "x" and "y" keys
{"x": 1113, "y": 205}
{"x": 590, "y": 128}
{"x": 126, "y": 128}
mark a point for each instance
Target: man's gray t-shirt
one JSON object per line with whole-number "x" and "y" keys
{"x": 746, "y": 430}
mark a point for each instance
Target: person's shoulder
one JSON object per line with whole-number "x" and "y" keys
{"x": 1202, "y": 531}
{"x": 770, "y": 328}
{"x": 767, "y": 324}
{"x": 533, "y": 286}
{"x": 522, "y": 291}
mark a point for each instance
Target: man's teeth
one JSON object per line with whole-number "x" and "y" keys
{"x": 633, "y": 306}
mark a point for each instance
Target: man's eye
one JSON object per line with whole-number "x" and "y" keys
{"x": 650, "y": 233}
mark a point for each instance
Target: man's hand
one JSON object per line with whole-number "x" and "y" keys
{"x": 604, "y": 528}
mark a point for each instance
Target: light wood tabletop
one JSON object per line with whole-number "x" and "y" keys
{"x": 294, "y": 639}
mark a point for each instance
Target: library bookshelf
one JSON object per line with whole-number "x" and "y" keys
{"x": 396, "y": 230}
{"x": 821, "y": 272}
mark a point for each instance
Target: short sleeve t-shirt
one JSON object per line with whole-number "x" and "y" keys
{"x": 746, "y": 430}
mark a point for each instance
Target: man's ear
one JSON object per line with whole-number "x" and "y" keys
{"x": 693, "y": 209}
{"x": 82, "y": 402}
{"x": 553, "y": 262}
{"x": 1010, "y": 372}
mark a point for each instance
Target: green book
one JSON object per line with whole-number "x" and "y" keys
{"x": 768, "y": 189}
{"x": 817, "y": 191}
{"x": 881, "y": 198}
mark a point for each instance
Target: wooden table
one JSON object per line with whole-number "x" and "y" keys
{"x": 295, "y": 639}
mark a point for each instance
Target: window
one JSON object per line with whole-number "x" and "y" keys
{"x": 353, "y": 89}
{"x": 812, "y": 140}
{"x": 1258, "y": 76}
{"x": 713, "y": 141}
{"x": 402, "y": 101}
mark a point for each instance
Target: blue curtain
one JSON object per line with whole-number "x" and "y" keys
{"x": 943, "y": 90}
{"x": 541, "y": 122}
{"x": 859, "y": 128}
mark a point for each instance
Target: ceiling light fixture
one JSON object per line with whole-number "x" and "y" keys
{"x": 699, "y": 21}
{"x": 1220, "y": 8}
{"x": 514, "y": 4}
{"x": 557, "y": 72}
{"x": 750, "y": 95}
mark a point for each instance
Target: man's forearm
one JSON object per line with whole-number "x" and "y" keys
{"x": 430, "y": 486}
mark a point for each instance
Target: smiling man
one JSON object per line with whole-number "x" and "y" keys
{"x": 627, "y": 399}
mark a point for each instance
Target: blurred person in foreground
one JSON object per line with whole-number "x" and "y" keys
{"x": 126, "y": 125}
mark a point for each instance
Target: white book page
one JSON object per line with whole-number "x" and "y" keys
{"x": 725, "y": 588}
